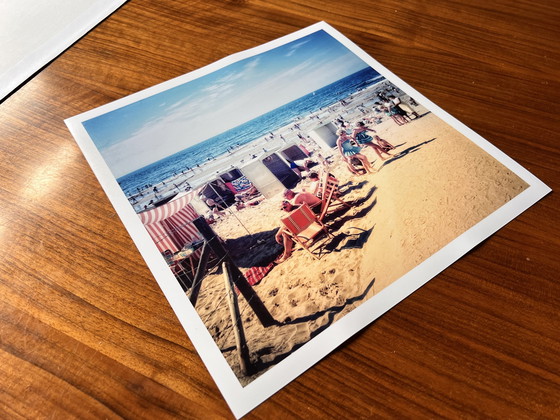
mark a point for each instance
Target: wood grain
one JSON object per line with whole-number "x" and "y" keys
{"x": 85, "y": 330}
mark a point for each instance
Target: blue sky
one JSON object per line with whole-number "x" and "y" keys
{"x": 146, "y": 131}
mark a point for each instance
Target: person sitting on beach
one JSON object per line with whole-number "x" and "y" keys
{"x": 214, "y": 207}
{"x": 348, "y": 150}
{"x": 240, "y": 205}
{"x": 313, "y": 186}
{"x": 247, "y": 194}
{"x": 297, "y": 199}
{"x": 340, "y": 123}
{"x": 378, "y": 112}
{"x": 299, "y": 166}
{"x": 360, "y": 135}
{"x": 283, "y": 237}
{"x": 355, "y": 166}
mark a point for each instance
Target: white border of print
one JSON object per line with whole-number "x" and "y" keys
{"x": 243, "y": 399}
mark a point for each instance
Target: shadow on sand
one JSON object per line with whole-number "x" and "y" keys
{"x": 257, "y": 250}
{"x": 339, "y": 222}
{"x": 330, "y": 312}
{"x": 408, "y": 151}
{"x": 350, "y": 186}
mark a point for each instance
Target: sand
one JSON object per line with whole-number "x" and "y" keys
{"x": 439, "y": 186}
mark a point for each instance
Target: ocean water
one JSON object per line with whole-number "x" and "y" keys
{"x": 247, "y": 132}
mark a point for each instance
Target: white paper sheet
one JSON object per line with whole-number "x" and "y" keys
{"x": 33, "y": 32}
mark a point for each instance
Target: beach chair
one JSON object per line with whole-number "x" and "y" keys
{"x": 303, "y": 226}
{"x": 330, "y": 196}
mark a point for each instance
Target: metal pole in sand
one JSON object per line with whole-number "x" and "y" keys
{"x": 227, "y": 208}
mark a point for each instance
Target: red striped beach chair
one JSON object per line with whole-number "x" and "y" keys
{"x": 303, "y": 226}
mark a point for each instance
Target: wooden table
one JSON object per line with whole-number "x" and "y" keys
{"x": 85, "y": 330}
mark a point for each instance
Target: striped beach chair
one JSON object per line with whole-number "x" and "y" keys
{"x": 304, "y": 226}
{"x": 330, "y": 196}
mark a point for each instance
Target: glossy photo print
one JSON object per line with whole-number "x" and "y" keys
{"x": 287, "y": 196}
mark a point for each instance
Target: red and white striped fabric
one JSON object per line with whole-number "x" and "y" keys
{"x": 170, "y": 225}
{"x": 167, "y": 210}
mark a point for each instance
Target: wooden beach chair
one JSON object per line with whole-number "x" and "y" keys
{"x": 329, "y": 195}
{"x": 303, "y": 226}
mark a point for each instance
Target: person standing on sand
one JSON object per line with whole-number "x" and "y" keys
{"x": 395, "y": 113}
{"x": 404, "y": 107}
{"x": 361, "y": 137}
{"x": 347, "y": 150}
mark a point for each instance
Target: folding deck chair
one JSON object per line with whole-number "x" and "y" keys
{"x": 303, "y": 226}
{"x": 329, "y": 195}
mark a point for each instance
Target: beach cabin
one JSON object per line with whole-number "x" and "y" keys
{"x": 278, "y": 165}
{"x": 293, "y": 153}
{"x": 224, "y": 189}
{"x": 199, "y": 205}
{"x": 325, "y": 135}
{"x": 218, "y": 191}
{"x": 270, "y": 175}
{"x": 236, "y": 181}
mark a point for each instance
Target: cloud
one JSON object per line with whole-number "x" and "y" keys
{"x": 252, "y": 64}
{"x": 292, "y": 49}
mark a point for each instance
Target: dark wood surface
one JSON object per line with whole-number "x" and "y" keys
{"x": 85, "y": 331}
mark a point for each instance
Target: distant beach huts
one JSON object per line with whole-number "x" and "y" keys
{"x": 269, "y": 173}
{"x": 325, "y": 135}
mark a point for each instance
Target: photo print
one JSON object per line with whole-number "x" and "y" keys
{"x": 287, "y": 196}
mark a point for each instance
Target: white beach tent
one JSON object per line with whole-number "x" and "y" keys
{"x": 262, "y": 178}
{"x": 270, "y": 175}
{"x": 325, "y": 135}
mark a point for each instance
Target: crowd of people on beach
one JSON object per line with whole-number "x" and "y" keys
{"x": 350, "y": 147}
{"x": 351, "y": 144}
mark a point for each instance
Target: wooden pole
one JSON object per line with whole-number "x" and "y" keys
{"x": 240, "y": 341}
{"x": 237, "y": 277}
{"x": 200, "y": 272}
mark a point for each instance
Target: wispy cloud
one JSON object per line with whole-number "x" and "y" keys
{"x": 294, "y": 48}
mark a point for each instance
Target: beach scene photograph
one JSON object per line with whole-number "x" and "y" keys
{"x": 289, "y": 187}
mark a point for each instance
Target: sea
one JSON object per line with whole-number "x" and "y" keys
{"x": 247, "y": 132}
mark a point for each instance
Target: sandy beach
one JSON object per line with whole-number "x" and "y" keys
{"x": 438, "y": 186}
